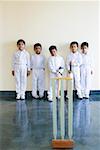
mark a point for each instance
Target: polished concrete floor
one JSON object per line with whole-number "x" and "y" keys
{"x": 27, "y": 125}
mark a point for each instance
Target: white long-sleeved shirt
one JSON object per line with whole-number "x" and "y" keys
{"x": 37, "y": 61}
{"x": 21, "y": 58}
{"x": 55, "y": 62}
{"x": 75, "y": 58}
{"x": 86, "y": 61}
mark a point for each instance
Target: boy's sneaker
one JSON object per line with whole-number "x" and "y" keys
{"x": 41, "y": 96}
{"x": 18, "y": 96}
{"x": 80, "y": 96}
{"x": 59, "y": 97}
{"x": 36, "y": 96}
{"x": 22, "y": 97}
{"x": 86, "y": 96}
{"x": 83, "y": 95}
{"x": 50, "y": 99}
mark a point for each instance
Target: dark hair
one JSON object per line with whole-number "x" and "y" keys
{"x": 84, "y": 44}
{"x": 74, "y": 42}
{"x": 20, "y": 40}
{"x": 52, "y": 47}
{"x": 37, "y": 44}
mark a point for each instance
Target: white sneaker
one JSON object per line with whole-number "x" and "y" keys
{"x": 41, "y": 96}
{"x": 86, "y": 96}
{"x": 36, "y": 96}
{"x": 50, "y": 99}
{"x": 80, "y": 96}
{"x": 18, "y": 96}
{"x": 22, "y": 96}
{"x": 83, "y": 95}
{"x": 59, "y": 97}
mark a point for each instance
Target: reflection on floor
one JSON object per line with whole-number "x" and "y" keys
{"x": 27, "y": 124}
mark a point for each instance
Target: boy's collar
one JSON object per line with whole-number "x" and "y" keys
{"x": 21, "y": 50}
{"x": 37, "y": 54}
{"x": 75, "y": 52}
{"x": 55, "y": 56}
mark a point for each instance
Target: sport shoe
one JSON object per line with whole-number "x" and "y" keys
{"x": 50, "y": 100}
{"x": 18, "y": 96}
{"x": 36, "y": 96}
{"x": 59, "y": 97}
{"x": 86, "y": 96}
{"x": 80, "y": 96}
{"x": 23, "y": 97}
{"x": 83, "y": 95}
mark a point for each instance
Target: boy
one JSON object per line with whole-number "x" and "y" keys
{"x": 74, "y": 61}
{"x": 56, "y": 67}
{"x": 85, "y": 70}
{"x": 38, "y": 72}
{"x": 21, "y": 68}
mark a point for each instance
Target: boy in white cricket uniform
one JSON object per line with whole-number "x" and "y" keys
{"x": 38, "y": 72}
{"x": 21, "y": 68}
{"x": 56, "y": 67}
{"x": 74, "y": 60}
{"x": 86, "y": 70}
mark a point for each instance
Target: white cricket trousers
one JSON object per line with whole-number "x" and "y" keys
{"x": 21, "y": 79}
{"x": 38, "y": 82}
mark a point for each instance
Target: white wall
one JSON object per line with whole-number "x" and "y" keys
{"x": 49, "y": 23}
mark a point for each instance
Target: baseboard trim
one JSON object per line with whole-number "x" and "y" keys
{"x": 95, "y": 92}
{"x": 12, "y": 94}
